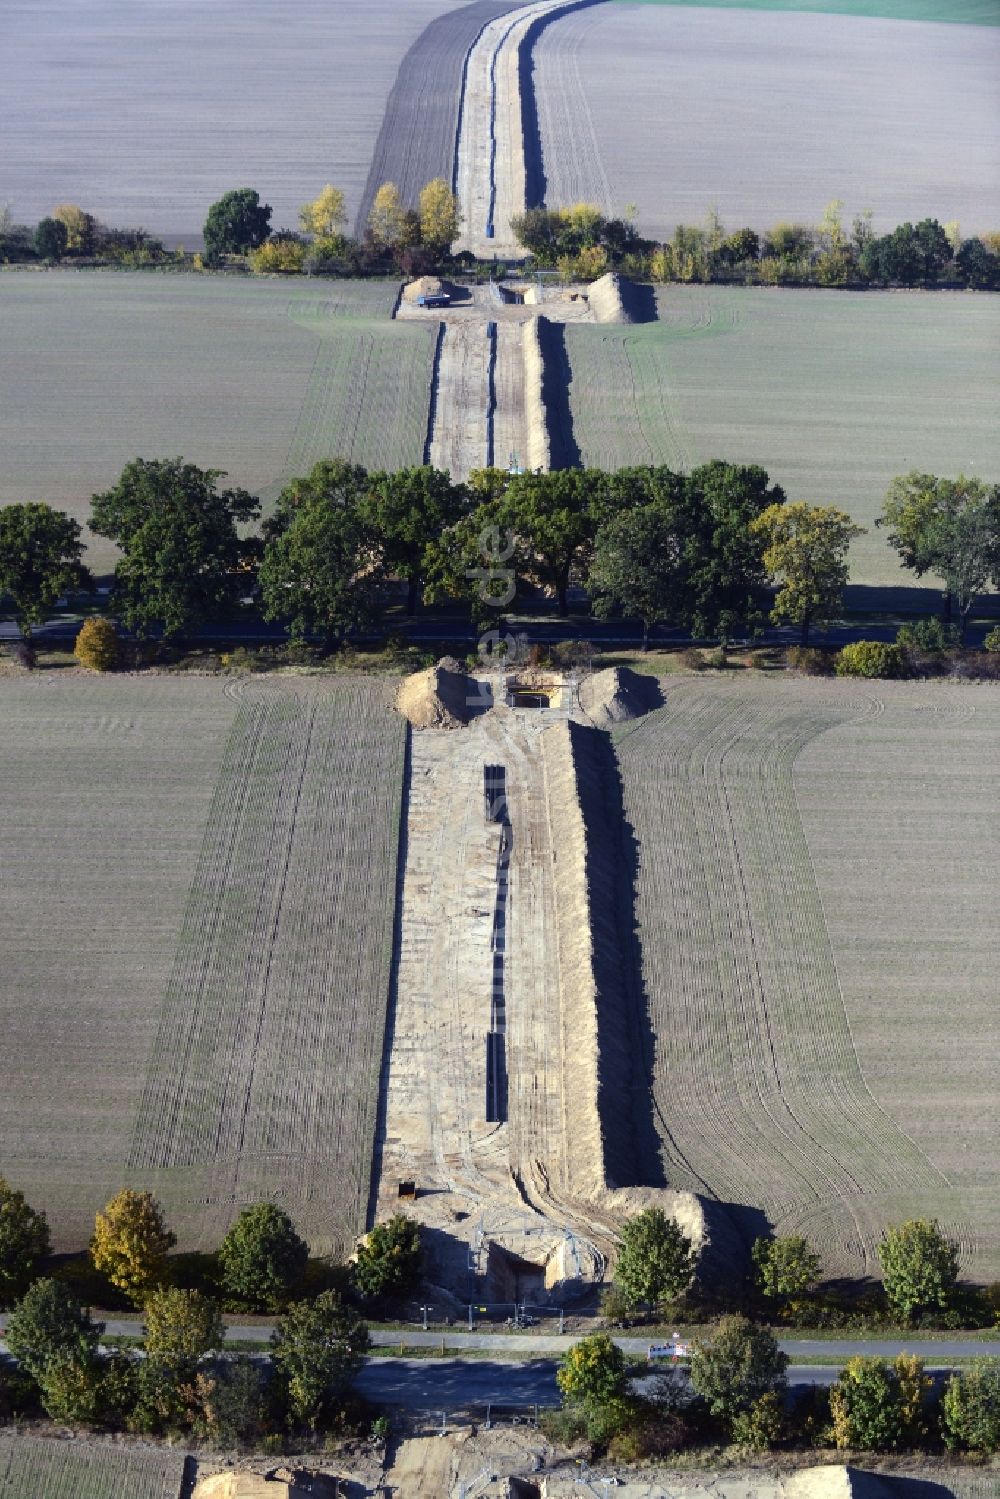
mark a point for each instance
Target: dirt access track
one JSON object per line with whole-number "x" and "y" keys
{"x": 507, "y": 1099}
{"x": 497, "y": 137}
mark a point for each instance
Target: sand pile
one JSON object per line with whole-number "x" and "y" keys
{"x": 439, "y": 698}
{"x": 606, "y": 300}
{"x": 618, "y": 694}
{"x": 538, "y": 453}
{"x": 835, "y": 1482}
{"x": 426, "y": 286}
{"x": 283, "y": 1483}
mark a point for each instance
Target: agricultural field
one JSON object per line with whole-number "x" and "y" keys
{"x": 767, "y": 116}
{"x": 145, "y": 117}
{"x": 832, "y": 392}
{"x": 814, "y": 918}
{"x": 197, "y": 944}
{"x": 54, "y": 1468}
{"x": 259, "y": 378}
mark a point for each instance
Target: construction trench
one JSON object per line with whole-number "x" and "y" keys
{"x": 512, "y": 1102}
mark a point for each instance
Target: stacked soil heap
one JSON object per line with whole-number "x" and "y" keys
{"x": 618, "y": 695}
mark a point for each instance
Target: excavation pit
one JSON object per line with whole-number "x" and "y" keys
{"x": 538, "y": 690}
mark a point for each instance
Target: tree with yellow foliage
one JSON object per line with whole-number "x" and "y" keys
{"x": 439, "y": 215}
{"x": 97, "y": 647}
{"x": 80, "y": 227}
{"x": 805, "y": 549}
{"x": 131, "y": 1242}
{"x": 326, "y": 216}
{"x": 387, "y": 222}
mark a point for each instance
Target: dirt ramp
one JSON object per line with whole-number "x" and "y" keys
{"x": 617, "y": 695}
{"x": 616, "y": 299}
{"x": 440, "y": 697}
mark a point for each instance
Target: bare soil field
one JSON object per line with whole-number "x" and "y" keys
{"x": 70, "y": 1468}
{"x": 259, "y": 378}
{"x": 418, "y": 138}
{"x": 822, "y": 1037}
{"x": 148, "y": 113}
{"x": 769, "y": 116}
{"x": 833, "y": 393}
{"x": 197, "y": 948}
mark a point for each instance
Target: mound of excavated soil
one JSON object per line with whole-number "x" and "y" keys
{"x": 835, "y": 1482}
{"x": 606, "y": 300}
{"x": 283, "y": 1483}
{"x": 438, "y": 698}
{"x": 427, "y": 286}
{"x": 618, "y": 694}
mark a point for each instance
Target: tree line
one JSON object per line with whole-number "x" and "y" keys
{"x": 398, "y": 237}
{"x": 180, "y": 1386}
{"x": 581, "y": 242}
{"x": 734, "y": 1388}
{"x": 716, "y": 552}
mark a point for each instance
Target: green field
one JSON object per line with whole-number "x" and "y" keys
{"x": 963, "y": 12}
{"x": 197, "y": 945}
{"x": 257, "y": 377}
{"x": 59, "y": 1468}
{"x": 813, "y": 897}
{"x": 832, "y": 392}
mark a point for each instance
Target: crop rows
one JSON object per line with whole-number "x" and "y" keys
{"x": 833, "y": 393}
{"x": 649, "y": 105}
{"x": 759, "y": 1095}
{"x": 49, "y": 1468}
{"x": 258, "y": 378}
{"x": 265, "y": 1072}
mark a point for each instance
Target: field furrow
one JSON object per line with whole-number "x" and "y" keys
{"x": 54, "y": 1468}
{"x": 270, "y": 1039}
{"x": 760, "y": 1097}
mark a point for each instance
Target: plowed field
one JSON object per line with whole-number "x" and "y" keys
{"x": 259, "y": 378}
{"x": 770, "y": 115}
{"x": 816, "y": 961}
{"x": 197, "y": 945}
{"x": 833, "y": 393}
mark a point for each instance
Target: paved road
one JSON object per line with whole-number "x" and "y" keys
{"x": 539, "y": 1344}
{"x": 457, "y": 1383}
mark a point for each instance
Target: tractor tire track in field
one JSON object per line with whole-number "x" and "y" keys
{"x": 755, "y": 1071}
{"x": 265, "y": 1070}
{"x": 418, "y": 139}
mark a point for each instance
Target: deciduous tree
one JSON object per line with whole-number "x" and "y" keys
{"x": 439, "y": 215}
{"x": 948, "y": 527}
{"x": 656, "y": 1260}
{"x": 736, "y": 1366}
{"x": 131, "y": 1243}
{"x": 877, "y": 1405}
{"x": 326, "y": 216}
{"x": 805, "y": 549}
{"x": 97, "y": 647}
{"x": 317, "y": 1348}
{"x": 554, "y": 519}
{"x": 40, "y": 559}
{"x": 50, "y": 239}
{"x": 81, "y": 228}
{"x": 238, "y": 222}
{"x": 180, "y": 1327}
{"x": 407, "y": 511}
{"x": 785, "y": 1267}
{"x": 389, "y": 1259}
{"x": 970, "y": 1407}
{"x": 322, "y": 570}
{"x": 24, "y": 1241}
{"x": 49, "y": 1324}
{"x": 636, "y": 567}
{"x": 593, "y": 1372}
{"x": 262, "y": 1257}
{"x": 387, "y": 220}
{"x": 183, "y": 561}
{"x": 919, "y": 1267}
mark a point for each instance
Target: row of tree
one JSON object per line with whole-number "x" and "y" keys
{"x": 581, "y": 242}
{"x": 715, "y": 552}
{"x": 735, "y": 1388}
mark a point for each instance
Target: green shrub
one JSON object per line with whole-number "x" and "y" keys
{"x": 761, "y": 1426}
{"x": 928, "y": 635}
{"x": 870, "y": 658}
{"x": 992, "y": 641}
{"x": 970, "y": 1407}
